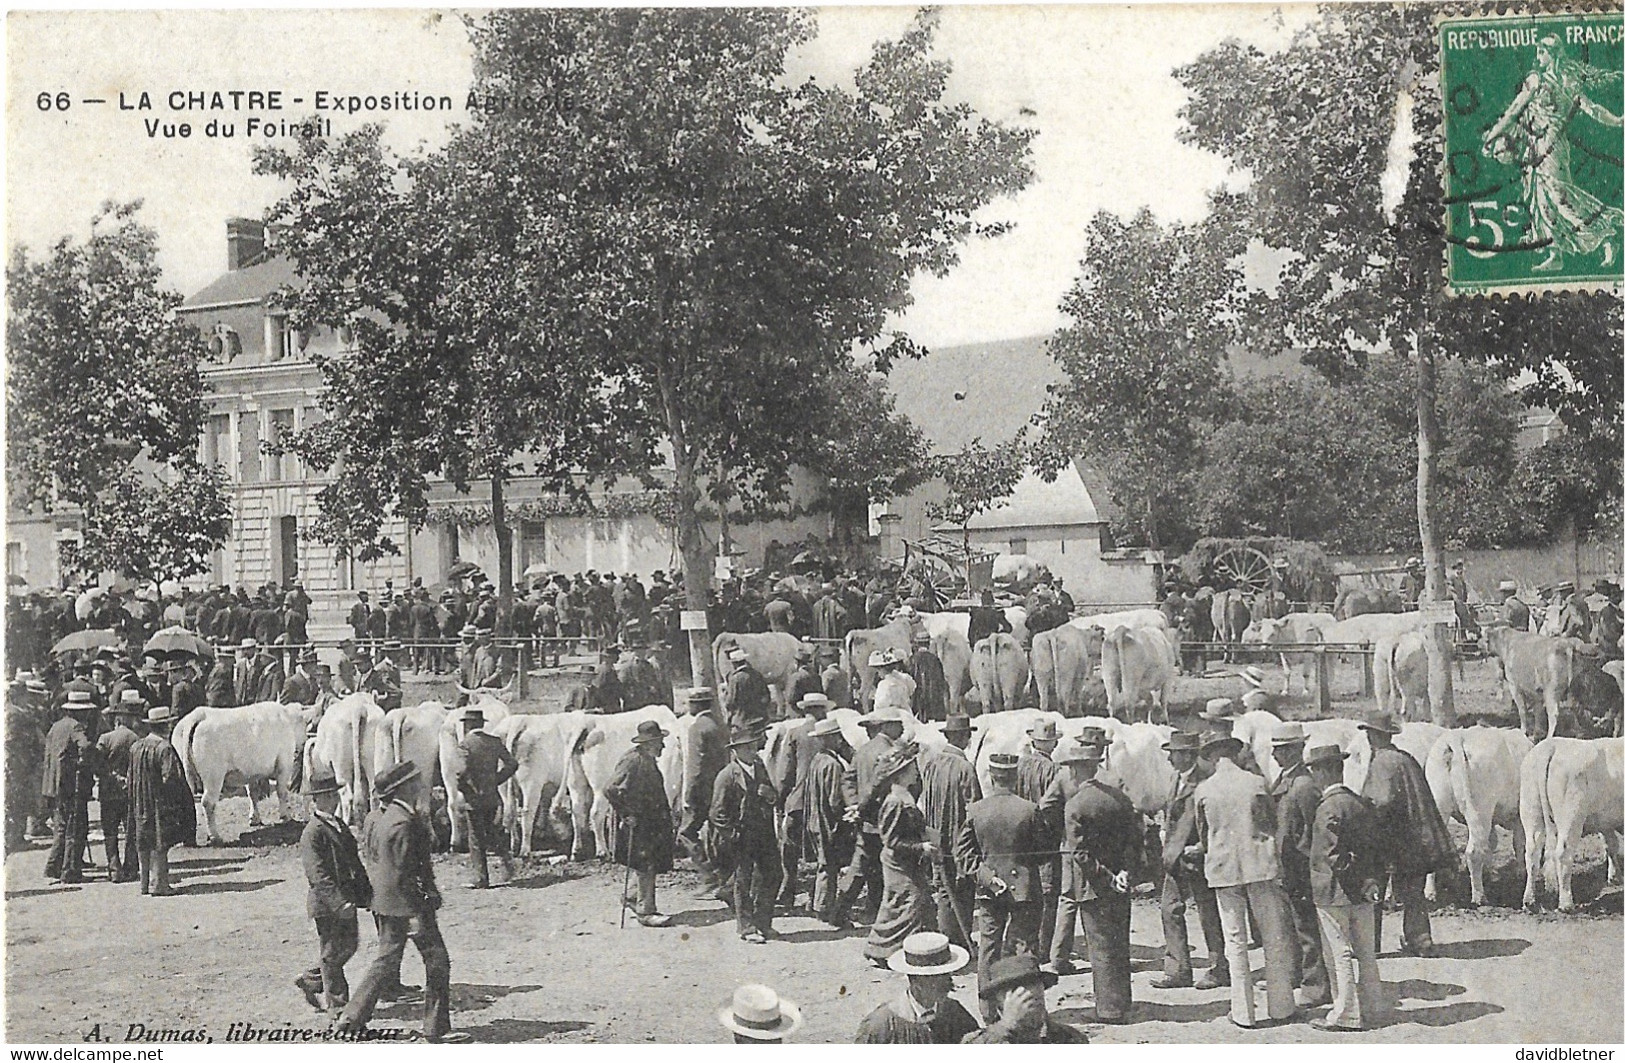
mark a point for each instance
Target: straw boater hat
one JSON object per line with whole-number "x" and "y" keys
{"x": 815, "y": 700}
{"x": 702, "y": 696}
{"x": 1507, "y": 585}
{"x": 760, "y": 1014}
{"x": 79, "y": 701}
{"x": 130, "y": 703}
{"x": 736, "y": 654}
{"x": 1289, "y": 734}
{"x": 1322, "y": 755}
{"x": 1002, "y": 762}
{"x": 826, "y": 726}
{"x": 929, "y": 953}
{"x": 1253, "y": 676}
{"x": 160, "y": 714}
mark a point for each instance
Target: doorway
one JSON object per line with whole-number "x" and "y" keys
{"x": 287, "y": 555}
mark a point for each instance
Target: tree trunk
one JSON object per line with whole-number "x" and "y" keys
{"x": 690, "y": 544}
{"x": 1441, "y": 693}
{"x": 504, "y": 534}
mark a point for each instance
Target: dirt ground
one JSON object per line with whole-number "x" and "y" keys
{"x": 542, "y": 959}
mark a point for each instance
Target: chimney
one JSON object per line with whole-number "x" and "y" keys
{"x": 245, "y": 242}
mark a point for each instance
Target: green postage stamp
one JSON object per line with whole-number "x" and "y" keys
{"x": 1532, "y": 148}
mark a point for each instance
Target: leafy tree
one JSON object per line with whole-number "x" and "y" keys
{"x": 869, "y": 452}
{"x": 104, "y": 402}
{"x": 1143, "y": 352}
{"x": 978, "y": 478}
{"x": 741, "y": 237}
{"x": 1570, "y": 485}
{"x": 1312, "y": 125}
{"x": 465, "y": 367}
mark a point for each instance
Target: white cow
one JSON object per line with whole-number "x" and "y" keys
{"x": 602, "y": 744}
{"x": 772, "y": 653}
{"x": 412, "y": 734}
{"x": 1294, "y": 628}
{"x": 346, "y": 744}
{"x": 1133, "y": 618}
{"x": 544, "y": 747}
{"x": 451, "y": 753}
{"x": 1061, "y": 666}
{"x": 950, "y": 641}
{"x": 998, "y": 668}
{"x": 1568, "y": 787}
{"x": 1135, "y": 664}
{"x": 1473, "y": 773}
{"x": 960, "y": 623}
{"x": 1399, "y": 667}
{"x": 1135, "y": 760}
{"x": 250, "y": 743}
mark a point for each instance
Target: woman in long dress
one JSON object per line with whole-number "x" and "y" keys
{"x": 905, "y": 859}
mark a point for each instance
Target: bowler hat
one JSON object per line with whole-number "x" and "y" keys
{"x": 757, "y": 1012}
{"x": 321, "y": 783}
{"x": 1215, "y": 739}
{"x": 929, "y": 953}
{"x": 1044, "y": 731}
{"x": 1381, "y": 721}
{"x": 1323, "y": 755}
{"x": 650, "y": 731}
{"x": 1183, "y": 742}
{"x": 1289, "y": 734}
{"x": 956, "y": 724}
{"x": 740, "y": 736}
{"x": 394, "y": 777}
{"x": 1020, "y": 969}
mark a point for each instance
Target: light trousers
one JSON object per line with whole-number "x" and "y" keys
{"x": 1269, "y": 909}
{"x": 1350, "y": 933}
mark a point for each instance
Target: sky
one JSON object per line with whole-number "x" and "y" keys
{"x": 1096, "y": 82}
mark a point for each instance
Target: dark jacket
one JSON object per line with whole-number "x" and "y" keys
{"x": 930, "y": 685}
{"x": 299, "y": 689}
{"x": 487, "y": 764}
{"x": 1180, "y": 831}
{"x": 829, "y": 792}
{"x": 114, "y": 749}
{"x": 948, "y": 787}
{"x": 395, "y": 846}
{"x": 869, "y": 788}
{"x": 70, "y": 760}
{"x": 1001, "y": 838}
{"x": 1103, "y": 837}
{"x": 1295, "y": 796}
{"x": 637, "y": 791}
{"x": 746, "y": 697}
{"x": 218, "y": 688}
{"x": 1345, "y": 864}
{"x": 743, "y": 808}
{"x": 986, "y": 620}
{"x": 332, "y": 862}
{"x": 1412, "y": 832}
{"x": 704, "y": 759}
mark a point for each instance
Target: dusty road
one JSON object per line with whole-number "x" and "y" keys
{"x": 542, "y": 960}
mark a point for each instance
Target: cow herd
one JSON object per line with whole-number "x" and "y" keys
{"x": 1546, "y": 794}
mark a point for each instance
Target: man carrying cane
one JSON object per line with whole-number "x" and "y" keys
{"x": 643, "y": 834}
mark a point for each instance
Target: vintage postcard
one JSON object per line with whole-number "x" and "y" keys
{"x": 1009, "y": 524}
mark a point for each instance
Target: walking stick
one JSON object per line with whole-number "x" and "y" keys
{"x": 953, "y": 899}
{"x": 626, "y": 880}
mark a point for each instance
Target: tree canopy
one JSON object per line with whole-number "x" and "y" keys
{"x": 104, "y": 401}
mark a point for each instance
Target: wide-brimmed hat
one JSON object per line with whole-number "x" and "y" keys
{"x": 1020, "y": 969}
{"x": 1219, "y": 709}
{"x": 1079, "y": 751}
{"x": 160, "y": 714}
{"x": 1252, "y": 675}
{"x": 824, "y": 727}
{"x": 1214, "y": 739}
{"x": 468, "y": 631}
{"x": 321, "y": 783}
{"x": 759, "y": 1013}
{"x": 394, "y": 777}
{"x": 36, "y": 686}
{"x": 815, "y": 700}
{"x": 1322, "y": 755}
{"x": 131, "y": 703}
{"x": 929, "y": 953}
{"x": 885, "y": 714}
{"x": 79, "y": 701}
{"x": 1183, "y": 742}
{"x": 957, "y": 724}
{"x": 248, "y": 644}
{"x": 1289, "y": 734}
{"x": 1044, "y": 731}
{"x": 881, "y": 658}
{"x": 893, "y": 761}
{"x": 1381, "y": 721}
{"x": 650, "y": 731}
{"x": 740, "y": 736}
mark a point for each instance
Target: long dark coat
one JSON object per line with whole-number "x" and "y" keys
{"x": 1413, "y": 834}
{"x": 160, "y": 797}
{"x": 638, "y": 791}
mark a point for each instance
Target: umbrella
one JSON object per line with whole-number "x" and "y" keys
{"x": 85, "y": 604}
{"x": 461, "y": 569}
{"x": 177, "y": 641}
{"x": 88, "y": 640}
{"x": 539, "y": 569}
{"x": 170, "y": 588}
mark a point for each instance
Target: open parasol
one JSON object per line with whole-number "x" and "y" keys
{"x": 88, "y": 640}
{"x": 176, "y": 642}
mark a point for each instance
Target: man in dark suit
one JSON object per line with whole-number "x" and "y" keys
{"x": 1035, "y": 774}
{"x": 487, "y": 764}
{"x": 1296, "y": 796}
{"x": 395, "y": 848}
{"x": 113, "y": 788}
{"x": 71, "y": 761}
{"x": 885, "y": 727}
{"x": 704, "y": 758}
{"x": 1183, "y": 882}
{"x": 220, "y": 688}
{"x": 948, "y": 787}
{"x": 743, "y": 807}
{"x": 338, "y": 886}
{"x": 643, "y": 834}
{"x": 301, "y": 687}
{"x": 998, "y": 846}
{"x": 1103, "y": 846}
{"x": 1345, "y": 871}
{"x": 1413, "y": 832}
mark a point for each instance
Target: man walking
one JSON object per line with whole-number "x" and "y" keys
{"x": 830, "y": 803}
{"x": 162, "y": 813}
{"x": 338, "y": 886}
{"x": 747, "y": 701}
{"x": 742, "y": 810}
{"x": 643, "y": 834}
{"x": 1236, "y": 825}
{"x": 395, "y": 849}
{"x": 948, "y": 788}
{"x": 1345, "y": 868}
{"x": 1296, "y": 796}
{"x": 1183, "y": 880}
{"x": 487, "y": 764}
{"x": 1414, "y": 836}
{"x": 800, "y": 748}
{"x": 998, "y": 846}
